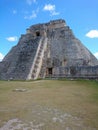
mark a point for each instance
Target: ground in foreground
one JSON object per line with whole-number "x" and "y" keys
{"x": 49, "y": 105}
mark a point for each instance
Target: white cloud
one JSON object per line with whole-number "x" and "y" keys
{"x": 51, "y": 8}
{"x": 96, "y": 55}
{"x": 12, "y": 39}
{"x": 1, "y": 56}
{"x": 54, "y": 13}
{"x": 92, "y": 34}
{"x": 29, "y": 2}
{"x": 14, "y": 11}
{"x": 32, "y": 15}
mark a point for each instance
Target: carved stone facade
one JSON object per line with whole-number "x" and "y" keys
{"x": 49, "y": 49}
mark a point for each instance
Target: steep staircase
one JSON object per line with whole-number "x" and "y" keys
{"x": 38, "y": 60}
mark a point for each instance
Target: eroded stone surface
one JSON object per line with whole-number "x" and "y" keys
{"x": 48, "y": 49}
{"x": 47, "y": 118}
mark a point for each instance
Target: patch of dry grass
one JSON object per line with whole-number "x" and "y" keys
{"x": 76, "y": 98}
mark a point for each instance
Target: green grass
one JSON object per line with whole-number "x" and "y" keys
{"x": 45, "y": 100}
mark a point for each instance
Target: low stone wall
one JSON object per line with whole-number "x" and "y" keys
{"x": 89, "y": 72}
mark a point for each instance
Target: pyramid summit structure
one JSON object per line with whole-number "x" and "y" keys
{"x": 48, "y": 49}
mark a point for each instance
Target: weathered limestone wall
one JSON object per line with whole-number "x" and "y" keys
{"x": 66, "y": 50}
{"x": 17, "y": 64}
{"x": 76, "y": 71}
{"x": 59, "y": 53}
{"x": 39, "y": 28}
{"x": 42, "y": 28}
{"x": 56, "y": 24}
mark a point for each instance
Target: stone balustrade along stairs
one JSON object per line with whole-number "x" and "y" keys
{"x": 38, "y": 60}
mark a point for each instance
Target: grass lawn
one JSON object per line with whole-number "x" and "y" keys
{"x": 49, "y": 105}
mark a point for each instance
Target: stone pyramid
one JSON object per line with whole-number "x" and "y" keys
{"x": 48, "y": 49}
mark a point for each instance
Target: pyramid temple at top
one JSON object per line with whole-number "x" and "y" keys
{"x": 48, "y": 49}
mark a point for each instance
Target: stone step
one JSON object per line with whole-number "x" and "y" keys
{"x": 39, "y": 59}
{"x": 36, "y": 66}
{"x": 39, "y": 54}
{"x": 34, "y": 71}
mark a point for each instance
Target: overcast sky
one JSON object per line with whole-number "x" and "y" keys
{"x": 17, "y": 15}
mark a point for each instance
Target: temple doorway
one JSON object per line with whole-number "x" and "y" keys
{"x": 50, "y": 71}
{"x": 37, "y": 33}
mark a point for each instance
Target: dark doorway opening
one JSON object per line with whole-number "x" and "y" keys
{"x": 50, "y": 71}
{"x": 37, "y": 33}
